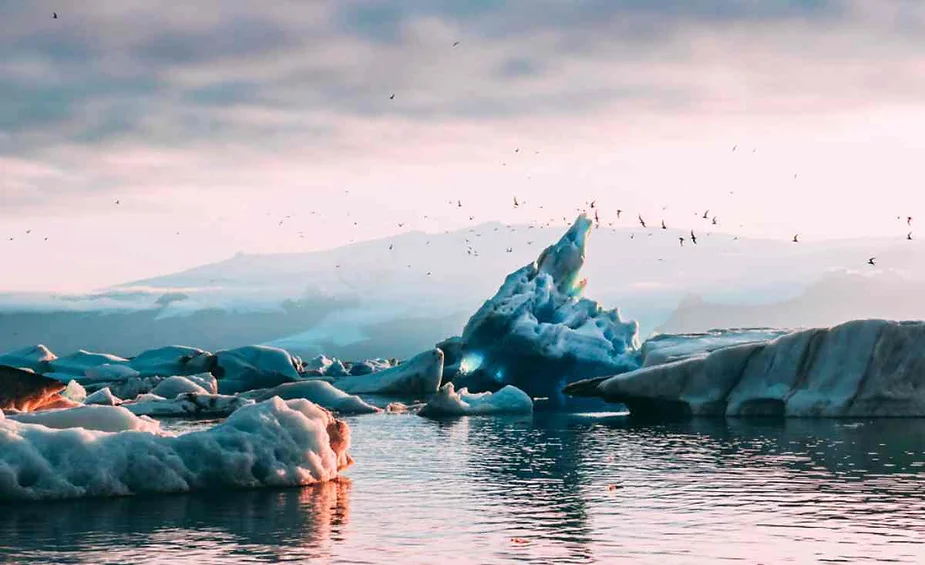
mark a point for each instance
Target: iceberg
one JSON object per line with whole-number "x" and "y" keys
{"x": 99, "y": 418}
{"x": 859, "y": 369}
{"x": 187, "y": 404}
{"x": 449, "y": 402}
{"x": 272, "y": 444}
{"x": 172, "y": 360}
{"x": 103, "y": 397}
{"x": 254, "y": 366}
{"x": 26, "y": 391}
{"x": 171, "y": 387}
{"x": 109, "y": 372}
{"x": 321, "y": 393}
{"x": 36, "y": 358}
{"x": 537, "y": 332}
{"x": 78, "y": 363}
{"x": 420, "y": 375}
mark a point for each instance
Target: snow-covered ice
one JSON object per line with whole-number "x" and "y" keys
{"x": 36, "y": 358}
{"x": 100, "y": 418}
{"x": 321, "y": 393}
{"x": 173, "y": 386}
{"x": 449, "y": 402}
{"x": 80, "y": 361}
{"x": 538, "y": 333}
{"x": 172, "y": 360}
{"x": 272, "y": 444}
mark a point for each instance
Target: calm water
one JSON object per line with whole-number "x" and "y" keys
{"x": 535, "y": 490}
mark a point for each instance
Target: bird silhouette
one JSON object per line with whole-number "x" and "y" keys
{"x": 664, "y": 227}
{"x": 714, "y": 220}
{"x": 706, "y": 214}
{"x": 459, "y": 203}
{"x": 641, "y": 221}
{"x": 392, "y": 97}
{"x": 516, "y": 203}
{"x": 909, "y": 236}
{"x": 693, "y": 238}
{"x": 681, "y": 241}
{"x": 593, "y": 202}
{"x": 796, "y": 238}
{"x": 391, "y": 245}
{"x": 872, "y": 261}
{"x": 455, "y": 43}
{"x": 54, "y": 15}
{"x": 909, "y": 220}
{"x": 619, "y": 212}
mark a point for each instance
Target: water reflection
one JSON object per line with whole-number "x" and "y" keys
{"x": 258, "y": 525}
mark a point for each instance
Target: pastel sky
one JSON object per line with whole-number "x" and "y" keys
{"x": 212, "y": 121}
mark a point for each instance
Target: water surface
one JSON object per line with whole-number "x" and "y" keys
{"x": 550, "y": 488}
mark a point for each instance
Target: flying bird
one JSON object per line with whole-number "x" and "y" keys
{"x": 593, "y": 202}
{"x": 693, "y": 238}
{"x": 392, "y": 97}
{"x": 455, "y": 43}
{"x": 872, "y": 261}
{"x": 706, "y": 214}
{"x": 391, "y": 245}
{"x": 681, "y": 241}
{"x": 909, "y": 236}
{"x": 714, "y": 220}
{"x": 796, "y": 238}
{"x": 618, "y": 213}
{"x": 54, "y": 15}
{"x": 664, "y": 227}
{"x": 641, "y": 221}
{"x": 908, "y": 220}
{"x": 516, "y": 203}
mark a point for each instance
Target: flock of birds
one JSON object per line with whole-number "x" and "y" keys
{"x": 591, "y": 208}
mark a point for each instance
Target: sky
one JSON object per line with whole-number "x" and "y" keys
{"x": 141, "y": 138}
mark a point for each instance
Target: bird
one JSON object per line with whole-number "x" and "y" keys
{"x": 909, "y": 236}
{"x": 459, "y": 203}
{"x": 796, "y": 238}
{"x": 618, "y": 213}
{"x": 597, "y": 219}
{"x": 54, "y": 15}
{"x": 664, "y": 227}
{"x": 908, "y": 220}
{"x": 117, "y": 202}
{"x": 510, "y": 249}
{"x": 516, "y": 203}
{"x": 391, "y": 245}
{"x": 455, "y": 43}
{"x": 641, "y": 221}
{"x": 706, "y": 214}
{"x": 401, "y": 224}
{"x": 693, "y": 238}
{"x": 392, "y": 97}
{"x": 714, "y": 220}
{"x": 872, "y": 261}
{"x": 681, "y": 240}
{"x": 734, "y": 148}
{"x": 593, "y": 202}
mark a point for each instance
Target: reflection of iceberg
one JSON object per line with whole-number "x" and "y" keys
{"x": 864, "y": 368}
{"x": 274, "y": 443}
{"x": 537, "y": 333}
{"x": 301, "y": 524}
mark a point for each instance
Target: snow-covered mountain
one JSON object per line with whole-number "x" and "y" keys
{"x": 397, "y": 296}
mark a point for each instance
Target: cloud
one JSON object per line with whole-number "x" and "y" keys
{"x": 130, "y": 76}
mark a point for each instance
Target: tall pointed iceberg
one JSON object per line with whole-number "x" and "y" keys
{"x": 538, "y": 333}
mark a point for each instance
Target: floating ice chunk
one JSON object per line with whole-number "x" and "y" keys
{"x": 109, "y": 372}
{"x": 100, "y": 418}
{"x": 321, "y": 393}
{"x": 187, "y": 404}
{"x": 449, "y": 402}
{"x": 271, "y": 444}
{"x": 36, "y": 357}
{"x": 253, "y": 367}
{"x": 537, "y": 333}
{"x": 173, "y": 386}
{"x": 74, "y": 391}
{"x": 419, "y": 375}
{"x": 863, "y": 368}
{"x": 78, "y": 363}
{"x": 103, "y": 397}
{"x": 172, "y": 360}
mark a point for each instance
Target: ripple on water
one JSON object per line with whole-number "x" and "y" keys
{"x": 550, "y": 488}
